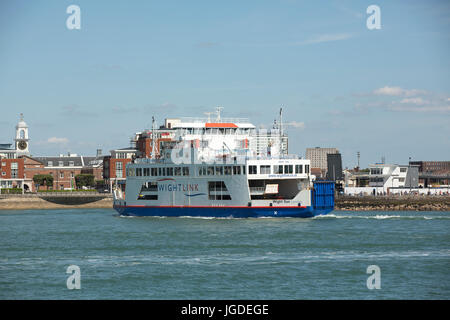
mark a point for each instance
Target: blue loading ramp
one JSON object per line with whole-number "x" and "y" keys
{"x": 323, "y": 195}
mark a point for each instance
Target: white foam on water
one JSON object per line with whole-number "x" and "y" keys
{"x": 378, "y": 217}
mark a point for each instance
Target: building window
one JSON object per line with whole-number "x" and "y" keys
{"x": 307, "y": 168}
{"x": 61, "y": 174}
{"x": 252, "y": 169}
{"x": 71, "y": 163}
{"x": 119, "y": 170}
{"x": 71, "y": 174}
{"x": 264, "y": 169}
{"x": 14, "y": 169}
{"x": 377, "y": 171}
{"x": 50, "y": 163}
{"x": 61, "y": 163}
{"x": 298, "y": 168}
{"x": 403, "y": 169}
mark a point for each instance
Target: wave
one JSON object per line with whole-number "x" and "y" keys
{"x": 380, "y": 217}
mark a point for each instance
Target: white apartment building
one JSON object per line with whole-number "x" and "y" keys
{"x": 393, "y": 176}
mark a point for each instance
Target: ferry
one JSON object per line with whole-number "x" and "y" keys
{"x": 215, "y": 168}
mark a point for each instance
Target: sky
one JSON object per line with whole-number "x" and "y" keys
{"x": 383, "y": 92}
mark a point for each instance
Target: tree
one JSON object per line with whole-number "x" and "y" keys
{"x": 43, "y": 180}
{"x": 84, "y": 180}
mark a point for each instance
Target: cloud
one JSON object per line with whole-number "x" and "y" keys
{"x": 295, "y": 124}
{"x": 118, "y": 109}
{"x": 417, "y": 101}
{"x": 326, "y": 38}
{"x": 397, "y": 91}
{"x": 427, "y": 109}
{"x": 405, "y": 100}
{"x": 56, "y": 140}
{"x": 73, "y": 110}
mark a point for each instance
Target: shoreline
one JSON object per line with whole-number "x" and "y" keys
{"x": 343, "y": 203}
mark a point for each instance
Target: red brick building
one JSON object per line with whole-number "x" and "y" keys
{"x": 12, "y": 173}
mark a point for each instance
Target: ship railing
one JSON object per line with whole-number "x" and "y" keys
{"x": 277, "y": 157}
{"x": 150, "y": 161}
{"x": 212, "y": 119}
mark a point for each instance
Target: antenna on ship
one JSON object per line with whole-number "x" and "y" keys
{"x": 218, "y": 113}
{"x": 281, "y": 131}
{"x": 209, "y": 115}
{"x": 153, "y": 138}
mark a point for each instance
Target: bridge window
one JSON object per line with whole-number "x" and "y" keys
{"x": 236, "y": 169}
{"x": 227, "y": 170}
{"x": 298, "y": 168}
{"x": 170, "y": 171}
{"x": 288, "y": 169}
{"x": 178, "y": 171}
{"x": 307, "y": 168}
{"x": 252, "y": 169}
{"x": 219, "y": 170}
{"x": 264, "y": 169}
{"x": 154, "y": 172}
{"x": 210, "y": 171}
{"x": 185, "y": 171}
{"x": 277, "y": 169}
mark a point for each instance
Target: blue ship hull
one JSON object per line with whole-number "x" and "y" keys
{"x": 221, "y": 212}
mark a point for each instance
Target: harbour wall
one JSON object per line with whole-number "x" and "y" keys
{"x": 393, "y": 203}
{"x": 55, "y": 201}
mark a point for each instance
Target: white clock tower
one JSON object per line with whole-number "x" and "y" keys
{"x": 22, "y": 138}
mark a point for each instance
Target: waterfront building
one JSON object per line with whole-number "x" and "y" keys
{"x": 334, "y": 167}
{"x": 114, "y": 165}
{"x": 319, "y": 158}
{"x": 63, "y": 169}
{"x": 11, "y": 165}
{"x": 389, "y": 176}
{"x": 433, "y": 173}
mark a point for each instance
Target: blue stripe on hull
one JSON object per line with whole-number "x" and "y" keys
{"x": 222, "y": 212}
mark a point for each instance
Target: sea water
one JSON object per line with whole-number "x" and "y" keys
{"x": 327, "y": 257}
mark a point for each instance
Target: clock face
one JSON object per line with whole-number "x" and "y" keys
{"x": 22, "y": 145}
